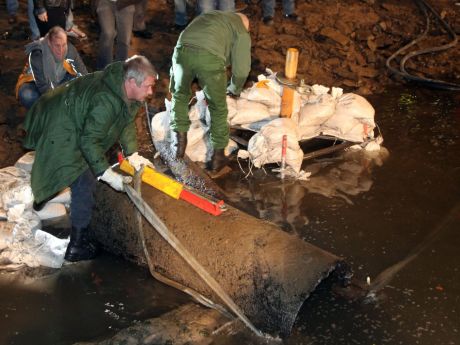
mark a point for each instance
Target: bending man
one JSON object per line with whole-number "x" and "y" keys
{"x": 204, "y": 49}
{"x": 72, "y": 127}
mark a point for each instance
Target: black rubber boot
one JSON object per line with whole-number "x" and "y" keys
{"x": 80, "y": 248}
{"x": 218, "y": 160}
{"x": 180, "y": 143}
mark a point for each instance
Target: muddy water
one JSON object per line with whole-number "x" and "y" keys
{"x": 80, "y": 302}
{"x": 394, "y": 216}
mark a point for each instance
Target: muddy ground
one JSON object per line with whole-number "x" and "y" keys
{"x": 341, "y": 43}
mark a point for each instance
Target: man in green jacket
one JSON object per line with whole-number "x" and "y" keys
{"x": 210, "y": 43}
{"x": 73, "y": 126}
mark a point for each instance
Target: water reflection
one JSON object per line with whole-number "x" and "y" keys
{"x": 345, "y": 175}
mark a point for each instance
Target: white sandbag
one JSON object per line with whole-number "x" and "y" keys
{"x": 202, "y": 107}
{"x": 231, "y": 107}
{"x": 26, "y": 161}
{"x": 315, "y": 114}
{"x": 198, "y": 144}
{"x": 51, "y": 210}
{"x": 357, "y": 134}
{"x": 6, "y": 234}
{"x": 11, "y": 177}
{"x": 265, "y": 147}
{"x": 264, "y": 91}
{"x": 50, "y": 250}
{"x": 248, "y": 112}
{"x": 20, "y": 193}
{"x": 63, "y": 197}
{"x": 340, "y": 123}
{"x": 199, "y": 111}
{"x": 160, "y": 126}
{"x": 308, "y": 132}
{"x": 15, "y": 212}
{"x": 357, "y": 107}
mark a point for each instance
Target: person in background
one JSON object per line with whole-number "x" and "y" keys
{"x": 139, "y": 26}
{"x": 12, "y": 9}
{"x": 210, "y": 43}
{"x": 34, "y": 31}
{"x": 72, "y": 29}
{"x": 180, "y": 15}
{"x": 268, "y": 8}
{"x": 52, "y": 61}
{"x": 50, "y": 13}
{"x": 116, "y": 21}
{"x": 209, "y": 5}
{"x": 72, "y": 127}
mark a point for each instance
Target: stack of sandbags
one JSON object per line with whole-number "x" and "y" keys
{"x": 266, "y": 146}
{"x": 21, "y": 240}
{"x": 353, "y": 119}
{"x": 259, "y": 104}
{"x": 345, "y": 116}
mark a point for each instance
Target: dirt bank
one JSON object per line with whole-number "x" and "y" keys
{"x": 342, "y": 43}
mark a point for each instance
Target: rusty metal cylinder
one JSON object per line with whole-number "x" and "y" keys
{"x": 287, "y": 101}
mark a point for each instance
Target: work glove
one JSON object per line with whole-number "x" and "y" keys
{"x": 115, "y": 180}
{"x": 137, "y": 161}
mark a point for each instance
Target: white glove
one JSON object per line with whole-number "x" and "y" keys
{"x": 137, "y": 160}
{"x": 115, "y": 180}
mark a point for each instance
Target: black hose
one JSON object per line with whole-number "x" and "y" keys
{"x": 434, "y": 83}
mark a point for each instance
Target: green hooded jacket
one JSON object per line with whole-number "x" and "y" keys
{"x": 223, "y": 35}
{"x": 73, "y": 126}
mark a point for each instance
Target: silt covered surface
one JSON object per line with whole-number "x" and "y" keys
{"x": 266, "y": 271}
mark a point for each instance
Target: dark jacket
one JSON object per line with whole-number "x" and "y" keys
{"x": 41, "y": 66}
{"x": 40, "y": 6}
{"x": 73, "y": 126}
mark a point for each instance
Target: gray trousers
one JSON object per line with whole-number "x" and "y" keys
{"x": 114, "y": 24}
{"x": 139, "y": 15}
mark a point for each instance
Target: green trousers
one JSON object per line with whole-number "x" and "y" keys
{"x": 189, "y": 63}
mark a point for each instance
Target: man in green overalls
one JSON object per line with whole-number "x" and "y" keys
{"x": 212, "y": 41}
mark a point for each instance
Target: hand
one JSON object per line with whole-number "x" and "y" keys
{"x": 43, "y": 16}
{"x": 115, "y": 180}
{"x": 137, "y": 161}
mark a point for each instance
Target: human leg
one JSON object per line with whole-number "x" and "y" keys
{"x": 180, "y": 12}
{"x": 268, "y": 8}
{"x": 81, "y": 209}
{"x": 35, "y": 32}
{"x": 212, "y": 77}
{"x": 226, "y": 5}
{"x": 181, "y": 77}
{"x": 12, "y": 8}
{"x": 106, "y": 17}
{"x": 124, "y": 27}
{"x": 139, "y": 15}
{"x": 289, "y": 7}
{"x": 206, "y": 6}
